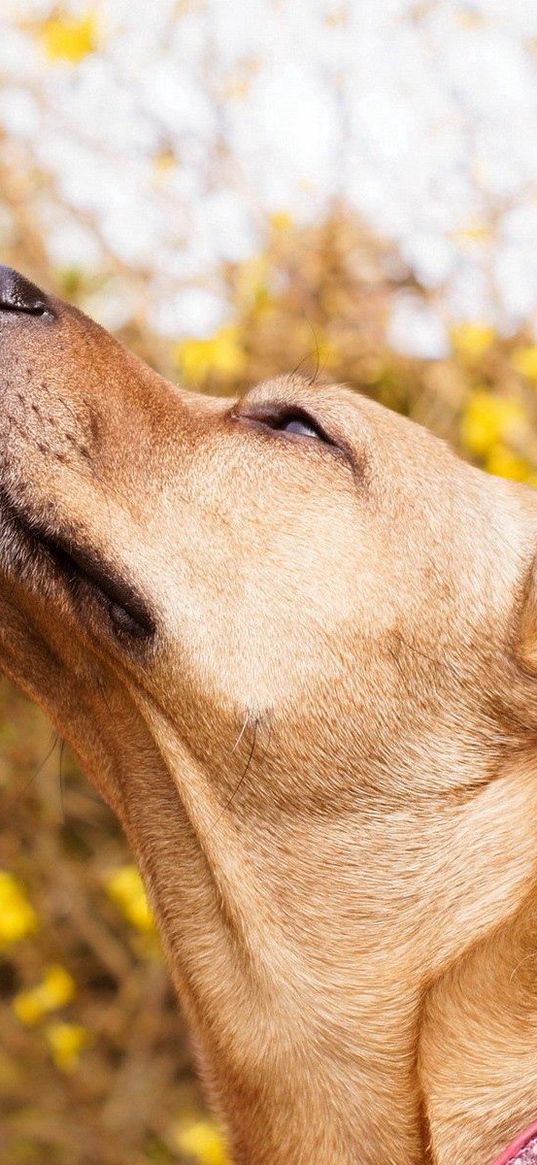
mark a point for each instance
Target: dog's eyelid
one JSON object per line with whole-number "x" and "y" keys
{"x": 275, "y": 417}
{"x": 268, "y": 419}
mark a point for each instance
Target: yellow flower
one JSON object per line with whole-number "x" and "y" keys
{"x": 222, "y": 355}
{"x": 55, "y": 990}
{"x": 504, "y": 463}
{"x": 281, "y": 221}
{"x": 471, "y": 341}
{"x": 201, "y": 1141}
{"x": 66, "y": 1041}
{"x": 164, "y": 164}
{"x": 124, "y": 886}
{"x": 69, "y": 38}
{"x": 474, "y": 231}
{"x": 17, "y": 915}
{"x": 252, "y": 290}
{"x": 164, "y": 161}
{"x": 488, "y": 419}
{"x": 525, "y": 361}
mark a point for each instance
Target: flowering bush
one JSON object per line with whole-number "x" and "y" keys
{"x": 124, "y": 886}
{"x": 166, "y": 138}
{"x": 17, "y": 916}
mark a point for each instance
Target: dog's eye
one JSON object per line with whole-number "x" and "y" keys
{"x": 299, "y": 425}
{"x": 296, "y": 423}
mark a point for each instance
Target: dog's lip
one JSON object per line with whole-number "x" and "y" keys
{"x": 81, "y": 564}
{"x": 78, "y": 566}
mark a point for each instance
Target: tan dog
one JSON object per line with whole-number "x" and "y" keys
{"x": 293, "y": 640}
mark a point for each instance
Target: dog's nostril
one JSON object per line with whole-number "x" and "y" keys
{"x": 17, "y": 294}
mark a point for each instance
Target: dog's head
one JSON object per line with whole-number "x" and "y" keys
{"x": 290, "y": 620}
{"x": 301, "y": 558}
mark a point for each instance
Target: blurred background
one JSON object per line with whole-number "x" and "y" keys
{"x": 236, "y": 191}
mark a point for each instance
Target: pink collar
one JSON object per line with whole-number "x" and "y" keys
{"x": 522, "y": 1151}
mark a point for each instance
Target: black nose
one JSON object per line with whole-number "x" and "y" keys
{"x": 17, "y": 294}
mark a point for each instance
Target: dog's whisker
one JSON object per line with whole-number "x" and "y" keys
{"x": 242, "y": 778}
{"x": 26, "y": 785}
{"x": 241, "y": 733}
{"x": 60, "y": 776}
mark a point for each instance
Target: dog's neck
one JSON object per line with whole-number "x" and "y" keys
{"x": 294, "y": 1057}
{"x": 311, "y": 1035}
{"x": 478, "y": 1046}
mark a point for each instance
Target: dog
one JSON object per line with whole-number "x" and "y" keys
{"x": 293, "y": 640}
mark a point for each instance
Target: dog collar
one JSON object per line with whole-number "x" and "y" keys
{"x": 522, "y": 1151}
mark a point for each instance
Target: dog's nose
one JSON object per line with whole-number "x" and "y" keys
{"x": 18, "y": 295}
